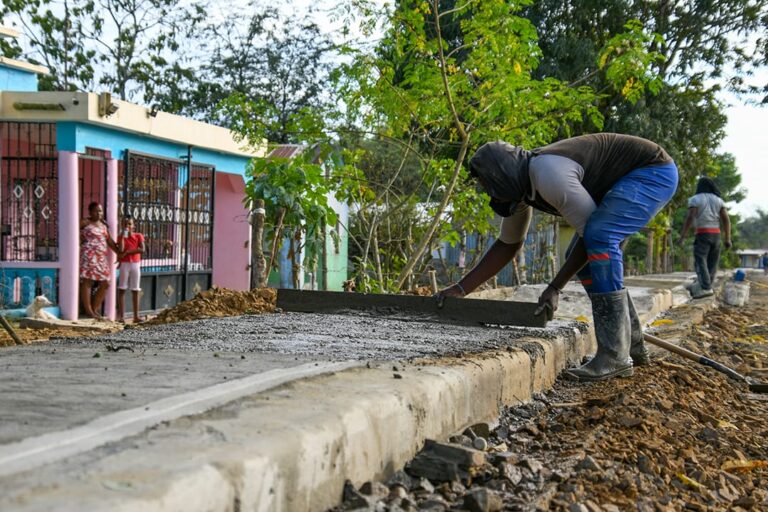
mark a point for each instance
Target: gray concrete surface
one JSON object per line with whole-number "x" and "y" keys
{"x": 285, "y": 448}
{"x": 318, "y": 336}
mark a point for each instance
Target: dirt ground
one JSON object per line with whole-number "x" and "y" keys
{"x": 218, "y": 302}
{"x": 29, "y": 335}
{"x": 676, "y": 436}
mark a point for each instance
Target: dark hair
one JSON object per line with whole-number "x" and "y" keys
{"x": 127, "y": 216}
{"x": 93, "y": 205}
{"x": 707, "y": 186}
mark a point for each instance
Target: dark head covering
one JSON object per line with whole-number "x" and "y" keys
{"x": 707, "y": 186}
{"x": 503, "y": 171}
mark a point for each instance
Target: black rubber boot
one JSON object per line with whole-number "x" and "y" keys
{"x": 612, "y": 330}
{"x": 637, "y": 349}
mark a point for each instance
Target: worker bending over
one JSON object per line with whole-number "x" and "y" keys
{"x": 607, "y": 186}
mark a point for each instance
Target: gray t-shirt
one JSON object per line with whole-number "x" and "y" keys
{"x": 708, "y": 208}
{"x": 557, "y": 180}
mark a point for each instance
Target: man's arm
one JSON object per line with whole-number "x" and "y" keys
{"x": 726, "y": 221}
{"x": 692, "y": 212}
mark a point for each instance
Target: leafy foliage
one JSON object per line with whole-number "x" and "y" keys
{"x": 295, "y": 191}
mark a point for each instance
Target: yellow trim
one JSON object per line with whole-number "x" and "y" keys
{"x": 129, "y": 117}
{"x": 24, "y": 66}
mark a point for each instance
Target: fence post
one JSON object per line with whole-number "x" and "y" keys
{"x": 69, "y": 235}
{"x": 112, "y": 222}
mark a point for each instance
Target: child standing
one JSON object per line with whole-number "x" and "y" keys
{"x": 131, "y": 247}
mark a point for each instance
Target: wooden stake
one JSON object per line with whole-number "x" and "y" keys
{"x": 10, "y": 330}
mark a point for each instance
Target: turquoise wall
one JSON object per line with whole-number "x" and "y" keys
{"x": 73, "y": 136}
{"x": 12, "y": 79}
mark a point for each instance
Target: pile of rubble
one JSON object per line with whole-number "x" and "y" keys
{"x": 676, "y": 436}
{"x": 218, "y": 302}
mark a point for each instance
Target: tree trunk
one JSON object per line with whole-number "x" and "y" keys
{"x": 275, "y": 241}
{"x": 295, "y": 254}
{"x": 377, "y": 259}
{"x": 522, "y": 271}
{"x": 259, "y": 272}
{"x": 649, "y": 253}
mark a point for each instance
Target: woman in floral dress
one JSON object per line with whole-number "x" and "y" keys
{"x": 94, "y": 266}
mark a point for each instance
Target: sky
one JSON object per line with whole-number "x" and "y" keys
{"x": 747, "y": 139}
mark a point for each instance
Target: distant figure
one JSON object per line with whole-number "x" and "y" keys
{"x": 765, "y": 262}
{"x": 706, "y": 212}
{"x": 131, "y": 245}
{"x": 94, "y": 267}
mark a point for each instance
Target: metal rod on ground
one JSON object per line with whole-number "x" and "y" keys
{"x": 433, "y": 280}
{"x": 693, "y": 356}
{"x": 10, "y": 330}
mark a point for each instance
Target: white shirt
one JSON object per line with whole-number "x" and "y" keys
{"x": 708, "y": 208}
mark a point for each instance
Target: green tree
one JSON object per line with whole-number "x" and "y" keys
{"x": 704, "y": 49}
{"x": 295, "y": 192}
{"x": 57, "y": 40}
{"x": 753, "y": 230}
{"x": 119, "y": 44}
{"x": 278, "y": 64}
{"x": 448, "y": 77}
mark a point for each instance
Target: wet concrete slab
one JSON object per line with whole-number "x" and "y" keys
{"x": 352, "y": 336}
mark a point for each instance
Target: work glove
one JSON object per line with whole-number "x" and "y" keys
{"x": 452, "y": 291}
{"x": 548, "y": 302}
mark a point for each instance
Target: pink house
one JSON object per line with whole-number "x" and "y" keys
{"x": 181, "y": 180}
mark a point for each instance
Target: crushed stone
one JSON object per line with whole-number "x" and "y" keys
{"x": 676, "y": 436}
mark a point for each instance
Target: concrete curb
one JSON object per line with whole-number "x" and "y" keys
{"x": 291, "y": 448}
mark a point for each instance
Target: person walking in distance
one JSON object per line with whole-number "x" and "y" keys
{"x": 607, "y": 186}
{"x": 706, "y": 213}
{"x": 131, "y": 246}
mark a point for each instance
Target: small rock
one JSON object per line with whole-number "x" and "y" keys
{"x": 534, "y": 465}
{"x": 375, "y": 489}
{"x": 665, "y": 405}
{"x": 578, "y": 507}
{"x": 397, "y": 492}
{"x": 629, "y": 421}
{"x": 353, "y": 499}
{"x": 482, "y": 500}
{"x": 745, "y": 502}
{"x": 424, "y": 485}
{"x": 610, "y": 507}
{"x": 479, "y": 443}
{"x": 397, "y": 376}
{"x": 589, "y": 463}
{"x": 511, "y": 473}
{"x": 592, "y": 506}
{"x": 402, "y": 479}
{"x": 503, "y": 458}
{"x": 434, "y": 503}
{"x": 644, "y": 464}
{"x": 558, "y": 476}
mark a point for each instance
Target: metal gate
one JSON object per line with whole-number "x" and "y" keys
{"x": 171, "y": 202}
{"x": 28, "y": 212}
